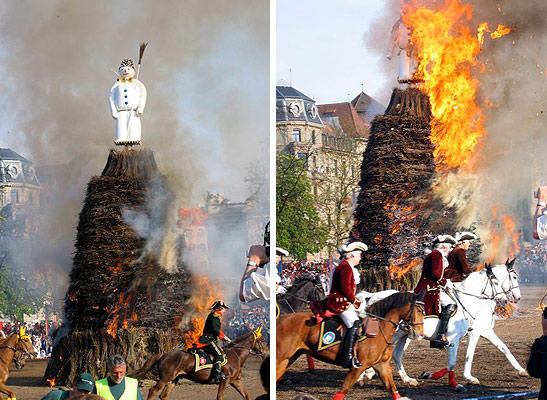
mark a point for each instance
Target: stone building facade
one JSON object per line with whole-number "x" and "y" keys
{"x": 332, "y": 139}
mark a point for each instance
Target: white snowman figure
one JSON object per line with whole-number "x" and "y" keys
{"x": 400, "y": 38}
{"x": 127, "y": 101}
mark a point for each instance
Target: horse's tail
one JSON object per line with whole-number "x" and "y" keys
{"x": 148, "y": 365}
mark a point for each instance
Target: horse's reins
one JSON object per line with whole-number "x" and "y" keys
{"x": 491, "y": 277}
{"x": 250, "y": 349}
{"x": 405, "y": 327}
{"x": 297, "y": 298}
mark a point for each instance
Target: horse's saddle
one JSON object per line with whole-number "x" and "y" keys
{"x": 332, "y": 331}
{"x": 203, "y": 359}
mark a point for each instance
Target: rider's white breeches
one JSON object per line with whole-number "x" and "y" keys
{"x": 445, "y": 299}
{"x": 349, "y": 316}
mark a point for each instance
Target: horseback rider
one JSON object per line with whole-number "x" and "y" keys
{"x": 458, "y": 268}
{"x": 433, "y": 281}
{"x": 211, "y": 335}
{"x": 342, "y": 300}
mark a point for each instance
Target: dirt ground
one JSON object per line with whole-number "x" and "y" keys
{"x": 26, "y": 383}
{"x": 489, "y": 365}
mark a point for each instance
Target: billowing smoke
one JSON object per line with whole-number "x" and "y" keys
{"x": 512, "y": 161}
{"x": 206, "y": 71}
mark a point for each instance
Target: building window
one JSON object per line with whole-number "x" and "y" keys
{"x": 14, "y": 197}
{"x": 296, "y": 135}
{"x": 312, "y": 137}
{"x": 304, "y": 157}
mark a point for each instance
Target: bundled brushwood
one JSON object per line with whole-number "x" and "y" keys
{"x": 395, "y": 214}
{"x": 87, "y": 351}
{"x": 116, "y": 283}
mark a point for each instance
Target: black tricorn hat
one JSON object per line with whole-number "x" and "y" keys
{"x": 219, "y": 304}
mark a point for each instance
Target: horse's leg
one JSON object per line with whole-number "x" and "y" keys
{"x": 496, "y": 341}
{"x": 398, "y": 353}
{"x": 452, "y": 354}
{"x": 348, "y": 383}
{"x": 155, "y": 389}
{"x": 311, "y": 364}
{"x": 238, "y": 385}
{"x": 167, "y": 391}
{"x": 221, "y": 389}
{"x": 6, "y": 390}
{"x": 384, "y": 372}
{"x": 474, "y": 336}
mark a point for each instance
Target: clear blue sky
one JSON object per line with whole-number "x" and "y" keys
{"x": 323, "y": 43}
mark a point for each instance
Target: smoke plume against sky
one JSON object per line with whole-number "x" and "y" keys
{"x": 206, "y": 70}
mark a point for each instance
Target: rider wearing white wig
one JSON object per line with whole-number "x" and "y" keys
{"x": 342, "y": 299}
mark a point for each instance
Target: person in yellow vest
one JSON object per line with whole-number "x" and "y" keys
{"x": 117, "y": 386}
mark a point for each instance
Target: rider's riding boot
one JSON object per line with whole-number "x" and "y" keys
{"x": 441, "y": 342}
{"x": 217, "y": 375}
{"x": 349, "y": 341}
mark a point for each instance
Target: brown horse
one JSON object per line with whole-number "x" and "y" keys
{"x": 294, "y": 337}
{"x": 14, "y": 343}
{"x": 178, "y": 364}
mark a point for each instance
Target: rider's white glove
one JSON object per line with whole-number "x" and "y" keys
{"x": 228, "y": 340}
{"x": 449, "y": 284}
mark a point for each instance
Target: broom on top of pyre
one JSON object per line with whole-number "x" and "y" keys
{"x": 141, "y": 53}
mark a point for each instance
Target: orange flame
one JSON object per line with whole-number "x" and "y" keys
{"x": 121, "y": 307}
{"x": 203, "y": 295}
{"x": 400, "y": 267}
{"x": 51, "y": 382}
{"x": 194, "y": 216}
{"x": 447, "y": 51}
{"x": 504, "y": 238}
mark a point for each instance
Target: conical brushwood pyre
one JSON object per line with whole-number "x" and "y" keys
{"x": 120, "y": 300}
{"x": 394, "y": 215}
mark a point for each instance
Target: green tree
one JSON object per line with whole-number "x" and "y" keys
{"x": 299, "y": 229}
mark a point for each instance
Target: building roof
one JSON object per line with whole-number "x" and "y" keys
{"x": 348, "y": 118}
{"x": 9, "y": 154}
{"x": 367, "y": 107}
{"x": 292, "y": 105}
{"x": 288, "y": 92}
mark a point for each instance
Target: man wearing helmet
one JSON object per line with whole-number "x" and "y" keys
{"x": 433, "y": 281}
{"x": 211, "y": 335}
{"x": 342, "y": 300}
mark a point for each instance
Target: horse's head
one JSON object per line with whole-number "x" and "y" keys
{"x": 24, "y": 344}
{"x": 503, "y": 281}
{"x": 259, "y": 347}
{"x": 403, "y": 309}
{"x": 413, "y": 324}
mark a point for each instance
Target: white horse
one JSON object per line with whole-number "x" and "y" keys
{"x": 476, "y": 299}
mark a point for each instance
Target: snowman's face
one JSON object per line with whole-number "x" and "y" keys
{"x": 127, "y": 72}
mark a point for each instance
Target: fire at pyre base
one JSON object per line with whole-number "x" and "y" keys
{"x": 87, "y": 351}
{"x": 395, "y": 214}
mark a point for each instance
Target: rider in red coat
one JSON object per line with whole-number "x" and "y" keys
{"x": 341, "y": 299}
{"x": 458, "y": 268}
{"x": 433, "y": 281}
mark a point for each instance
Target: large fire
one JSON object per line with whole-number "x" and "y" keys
{"x": 204, "y": 294}
{"x": 503, "y": 238}
{"x": 447, "y": 49}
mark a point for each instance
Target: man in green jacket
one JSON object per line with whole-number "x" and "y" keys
{"x": 82, "y": 385}
{"x": 117, "y": 386}
{"x": 211, "y": 335}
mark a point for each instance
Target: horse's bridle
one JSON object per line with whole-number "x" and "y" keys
{"x": 256, "y": 337}
{"x": 406, "y": 327}
{"x": 16, "y": 349}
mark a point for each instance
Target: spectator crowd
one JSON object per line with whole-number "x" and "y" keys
{"x": 320, "y": 271}
{"x": 240, "y": 321}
